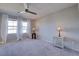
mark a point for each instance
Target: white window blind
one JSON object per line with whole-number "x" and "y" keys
{"x": 12, "y": 26}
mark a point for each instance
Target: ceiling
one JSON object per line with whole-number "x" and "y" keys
{"x": 42, "y": 9}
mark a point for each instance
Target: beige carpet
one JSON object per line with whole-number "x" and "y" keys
{"x": 33, "y": 48}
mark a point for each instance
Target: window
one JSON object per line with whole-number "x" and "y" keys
{"x": 24, "y": 27}
{"x": 12, "y": 26}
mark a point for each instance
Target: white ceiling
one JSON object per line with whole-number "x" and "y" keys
{"x": 42, "y": 9}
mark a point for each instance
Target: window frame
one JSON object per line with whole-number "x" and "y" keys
{"x": 12, "y": 25}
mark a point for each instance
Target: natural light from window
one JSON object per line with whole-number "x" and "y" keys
{"x": 24, "y": 27}
{"x": 12, "y": 26}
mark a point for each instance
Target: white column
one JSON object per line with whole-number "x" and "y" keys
{"x": 4, "y": 27}
{"x": 19, "y": 30}
{"x": 29, "y": 27}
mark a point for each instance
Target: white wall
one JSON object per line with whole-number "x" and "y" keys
{"x": 0, "y": 25}
{"x": 78, "y": 6}
{"x": 68, "y": 19}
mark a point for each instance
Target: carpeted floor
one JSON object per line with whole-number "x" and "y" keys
{"x": 34, "y": 48}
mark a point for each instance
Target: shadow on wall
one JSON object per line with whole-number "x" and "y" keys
{"x": 71, "y": 38}
{"x": 71, "y": 43}
{"x": 71, "y": 30}
{"x": 71, "y": 34}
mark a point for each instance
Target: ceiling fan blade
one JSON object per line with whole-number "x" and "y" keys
{"x": 26, "y": 10}
{"x": 32, "y": 12}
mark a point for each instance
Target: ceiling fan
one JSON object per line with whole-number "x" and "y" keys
{"x": 26, "y": 6}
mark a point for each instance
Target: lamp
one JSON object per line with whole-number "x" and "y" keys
{"x": 33, "y": 29}
{"x": 59, "y": 31}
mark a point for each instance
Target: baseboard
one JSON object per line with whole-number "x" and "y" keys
{"x": 71, "y": 49}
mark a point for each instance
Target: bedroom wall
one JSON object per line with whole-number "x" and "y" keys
{"x": 78, "y": 7}
{"x": 69, "y": 20}
{"x": 0, "y": 25}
